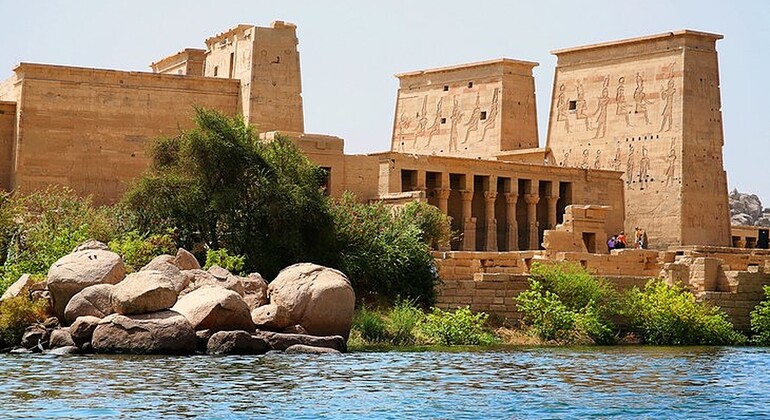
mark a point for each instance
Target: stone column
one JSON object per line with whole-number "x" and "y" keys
{"x": 469, "y": 222}
{"x": 442, "y": 194}
{"x": 532, "y": 200}
{"x": 512, "y": 228}
{"x": 489, "y": 205}
{"x": 552, "y": 211}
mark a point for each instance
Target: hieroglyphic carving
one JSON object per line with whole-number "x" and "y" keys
{"x": 644, "y": 167}
{"x": 598, "y": 159}
{"x": 671, "y": 161}
{"x": 640, "y": 98}
{"x": 562, "y": 107}
{"x": 630, "y": 165}
{"x": 620, "y": 101}
{"x": 454, "y": 121}
{"x": 601, "y": 110}
{"x": 436, "y": 126}
{"x": 581, "y": 106}
{"x": 565, "y": 159}
{"x": 584, "y": 163}
{"x": 490, "y": 122}
{"x": 473, "y": 121}
{"x": 667, "y": 95}
{"x": 617, "y": 160}
{"x": 422, "y": 120}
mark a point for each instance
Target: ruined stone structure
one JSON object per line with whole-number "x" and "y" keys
{"x": 649, "y": 107}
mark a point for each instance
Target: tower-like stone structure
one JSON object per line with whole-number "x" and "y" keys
{"x": 475, "y": 110}
{"x": 649, "y": 107}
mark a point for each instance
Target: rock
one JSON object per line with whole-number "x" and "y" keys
{"x": 164, "y": 332}
{"x": 254, "y": 290}
{"x": 215, "y": 308}
{"x": 318, "y": 298}
{"x": 184, "y": 260}
{"x": 294, "y": 329}
{"x": 200, "y": 278}
{"x": 40, "y": 295}
{"x": 202, "y": 339}
{"x": 159, "y": 263}
{"x": 281, "y": 341}
{"x": 61, "y": 338}
{"x": 219, "y": 272}
{"x": 63, "y": 351}
{"x": 74, "y": 272}
{"x": 143, "y": 292}
{"x": 745, "y": 209}
{"x": 91, "y": 244}
{"x": 23, "y": 283}
{"x": 51, "y": 323}
{"x": 35, "y": 337}
{"x": 236, "y": 342}
{"x": 741, "y": 219}
{"x": 20, "y": 350}
{"x": 91, "y": 301}
{"x": 83, "y": 328}
{"x": 301, "y": 348}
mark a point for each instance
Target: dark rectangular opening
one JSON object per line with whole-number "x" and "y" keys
{"x": 232, "y": 65}
{"x": 446, "y": 88}
{"x": 589, "y": 240}
{"x": 572, "y": 105}
{"x": 408, "y": 180}
{"x": 470, "y": 84}
{"x": 483, "y": 115}
{"x": 443, "y": 120}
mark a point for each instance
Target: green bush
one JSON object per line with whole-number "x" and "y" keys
{"x": 219, "y": 186}
{"x": 15, "y": 315}
{"x": 137, "y": 250}
{"x": 760, "y": 320}
{"x": 566, "y": 303}
{"x": 384, "y": 250}
{"x": 222, "y": 258}
{"x": 402, "y": 321}
{"x": 669, "y": 314}
{"x": 370, "y": 326}
{"x": 461, "y": 327}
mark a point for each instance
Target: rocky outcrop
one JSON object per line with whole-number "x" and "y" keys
{"x": 280, "y": 341}
{"x": 319, "y": 299}
{"x": 747, "y": 210}
{"x": 163, "y": 332}
{"x": 235, "y": 342}
{"x": 91, "y": 301}
{"x": 143, "y": 292}
{"x": 61, "y": 338}
{"x": 82, "y": 330}
{"x": 74, "y": 272}
{"x": 215, "y": 308}
{"x": 200, "y": 278}
{"x": 18, "y": 287}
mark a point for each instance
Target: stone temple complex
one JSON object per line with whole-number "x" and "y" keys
{"x": 634, "y": 139}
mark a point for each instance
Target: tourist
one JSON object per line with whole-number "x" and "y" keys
{"x": 637, "y": 237}
{"x": 621, "y": 241}
{"x": 611, "y": 243}
{"x": 643, "y": 240}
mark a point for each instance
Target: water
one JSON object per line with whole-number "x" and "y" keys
{"x": 623, "y": 382}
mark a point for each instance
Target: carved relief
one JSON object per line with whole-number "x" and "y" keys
{"x": 630, "y": 165}
{"x": 640, "y": 98}
{"x": 492, "y": 117}
{"x": 473, "y": 121}
{"x": 622, "y": 107}
{"x": 565, "y": 159}
{"x": 667, "y": 95}
{"x": 581, "y": 106}
{"x": 598, "y": 160}
{"x": 422, "y": 120}
{"x": 454, "y": 120}
{"x": 617, "y": 161}
{"x": 601, "y": 110}
{"x": 671, "y": 164}
{"x": 562, "y": 107}
{"x": 436, "y": 126}
{"x": 644, "y": 167}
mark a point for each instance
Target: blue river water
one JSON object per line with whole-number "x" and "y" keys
{"x": 596, "y": 382}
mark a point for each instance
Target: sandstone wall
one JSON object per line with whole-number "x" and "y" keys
{"x": 89, "y": 128}
{"x": 7, "y": 126}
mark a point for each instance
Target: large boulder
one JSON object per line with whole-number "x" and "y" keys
{"x": 18, "y": 287}
{"x": 35, "y": 337}
{"x": 215, "y": 308}
{"x": 163, "y": 332}
{"x": 143, "y": 292}
{"x": 165, "y": 264}
{"x": 235, "y": 342}
{"x": 254, "y": 290}
{"x": 91, "y": 301}
{"x": 61, "y": 338}
{"x": 320, "y": 299}
{"x": 186, "y": 260}
{"x": 281, "y": 341}
{"x": 74, "y": 272}
{"x": 220, "y": 277}
{"x": 303, "y": 349}
{"x": 83, "y": 329}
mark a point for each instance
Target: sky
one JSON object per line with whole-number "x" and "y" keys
{"x": 350, "y": 50}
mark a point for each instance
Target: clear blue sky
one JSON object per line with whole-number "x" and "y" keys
{"x": 351, "y": 49}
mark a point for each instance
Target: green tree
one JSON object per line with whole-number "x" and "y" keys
{"x": 219, "y": 186}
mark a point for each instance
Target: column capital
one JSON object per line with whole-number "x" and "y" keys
{"x": 442, "y": 193}
{"x": 466, "y": 195}
{"x": 532, "y": 199}
{"x": 511, "y": 198}
{"x": 490, "y": 195}
{"x": 552, "y": 198}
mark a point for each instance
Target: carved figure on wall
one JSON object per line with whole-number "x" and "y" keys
{"x": 454, "y": 120}
{"x": 620, "y": 101}
{"x": 422, "y": 120}
{"x": 640, "y": 97}
{"x": 492, "y": 116}
{"x": 598, "y": 160}
{"x": 473, "y": 121}
{"x": 562, "y": 107}
{"x": 584, "y": 163}
{"x": 581, "y": 106}
{"x": 630, "y": 164}
{"x": 601, "y": 110}
{"x": 671, "y": 161}
{"x": 644, "y": 165}
{"x": 667, "y": 95}
{"x": 565, "y": 159}
{"x": 403, "y": 123}
{"x": 617, "y": 161}
{"x": 436, "y": 126}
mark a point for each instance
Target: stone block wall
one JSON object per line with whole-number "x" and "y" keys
{"x": 7, "y": 126}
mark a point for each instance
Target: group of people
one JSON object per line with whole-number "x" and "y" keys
{"x": 619, "y": 241}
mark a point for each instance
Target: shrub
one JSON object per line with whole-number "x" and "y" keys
{"x": 222, "y": 258}
{"x": 460, "y": 327}
{"x": 668, "y": 314}
{"x": 384, "y": 251}
{"x": 402, "y": 321}
{"x": 760, "y": 320}
{"x": 370, "y": 325}
{"x": 566, "y": 303}
{"x": 137, "y": 250}
{"x": 15, "y": 315}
